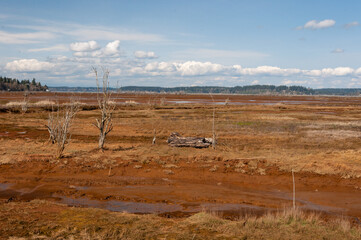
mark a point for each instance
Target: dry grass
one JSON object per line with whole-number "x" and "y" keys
{"x": 21, "y": 220}
{"x": 44, "y": 103}
{"x": 298, "y": 138}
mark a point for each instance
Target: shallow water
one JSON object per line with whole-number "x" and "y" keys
{"x": 233, "y": 210}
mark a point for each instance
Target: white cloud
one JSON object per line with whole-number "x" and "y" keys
{"x": 28, "y": 65}
{"x": 314, "y": 24}
{"x": 84, "y": 46}
{"x": 160, "y": 66}
{"x": 144, "y": 55}
{"x": 112, "y": 48}
{"x": 189, "y": 68}
{"x": 337, "y": 50}
{"x": 25, "y": 38}
{"x": 192, "y": 68}
{"x": 56, "y": 48}
{"x": 339, "y": 71}
{"x": 266, "y": 70}
{"x": 351, "y": 24}
{"x": 88, "y": 50}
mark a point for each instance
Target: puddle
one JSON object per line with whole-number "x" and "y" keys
{"x": 121, "y": 206}
{"x": 79, "y": 188}
{"x": 4, "y": 186}
{"x": 181, "y": 102}
{"x": 231, "y": 210}
{"x": 159, "y": 208}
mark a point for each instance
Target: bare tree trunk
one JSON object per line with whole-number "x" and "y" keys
{"x": 213, "y": 125}
{"x": 104, "y": 123}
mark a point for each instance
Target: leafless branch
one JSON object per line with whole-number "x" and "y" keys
{"x": 59, "y": 124}
{"x": 104, "y": 122}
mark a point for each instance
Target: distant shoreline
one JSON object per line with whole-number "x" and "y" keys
{"x": 244, "y": 90}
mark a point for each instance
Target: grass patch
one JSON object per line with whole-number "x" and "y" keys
{"x": 41, "y": 219}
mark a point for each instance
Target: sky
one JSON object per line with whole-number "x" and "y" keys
{"x": 172, "y": 43}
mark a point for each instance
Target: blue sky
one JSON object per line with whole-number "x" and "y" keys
{"x": 183, "y": 43}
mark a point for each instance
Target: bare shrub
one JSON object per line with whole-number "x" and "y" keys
{"x": 25, "y": 103}
{"x": 106, "y": 106}
{"x": 59, "y": 123}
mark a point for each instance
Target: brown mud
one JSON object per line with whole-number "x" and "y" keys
{"x": 190, "y": 189}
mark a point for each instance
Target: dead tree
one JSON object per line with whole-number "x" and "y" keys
{"x": 213, "y": 125}
{"x": 176, "y": 140}
{"x": 104, "y": 122}
{"x": 25, "y": 103}
{"x": 59, "y": 126}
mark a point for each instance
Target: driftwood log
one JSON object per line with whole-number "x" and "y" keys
{"x": 176, "y": 140}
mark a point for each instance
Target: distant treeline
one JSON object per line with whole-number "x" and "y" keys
{"x": 12, "y": 84}
{"x": 252, "y": 89}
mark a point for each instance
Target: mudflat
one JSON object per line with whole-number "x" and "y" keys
{"x": 260, "y": 140}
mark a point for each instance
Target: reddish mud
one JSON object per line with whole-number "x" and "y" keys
{"x": 190, "y": 189}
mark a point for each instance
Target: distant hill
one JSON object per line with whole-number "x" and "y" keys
{"x": 12, "y": 84}
{"x": 251, "y": 89}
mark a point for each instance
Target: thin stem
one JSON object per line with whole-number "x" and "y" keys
{"x": 294, "y": 190}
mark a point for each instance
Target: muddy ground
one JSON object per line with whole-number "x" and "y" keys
{"x": 260, "y": 140}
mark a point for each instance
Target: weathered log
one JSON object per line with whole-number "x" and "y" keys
{"x": 176, "y": 140}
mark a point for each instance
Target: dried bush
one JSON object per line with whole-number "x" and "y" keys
{"x": 59, "y": 123}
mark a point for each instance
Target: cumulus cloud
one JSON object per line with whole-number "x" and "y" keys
{"x": 337, "y": 50}
{"x": 28, "y": 65}
{"x": 84, "y": 46}
{"x": 339, "y": 71}
{"x": 111, "y": 48}
{"x": 351, "y": 24}
{"x": 314, "y": 24}
{"x": 144, "y": 55}
{"x": 189, "y": 68}
{"x": 193, "y": 68}
{"x": 89, "y": 49}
